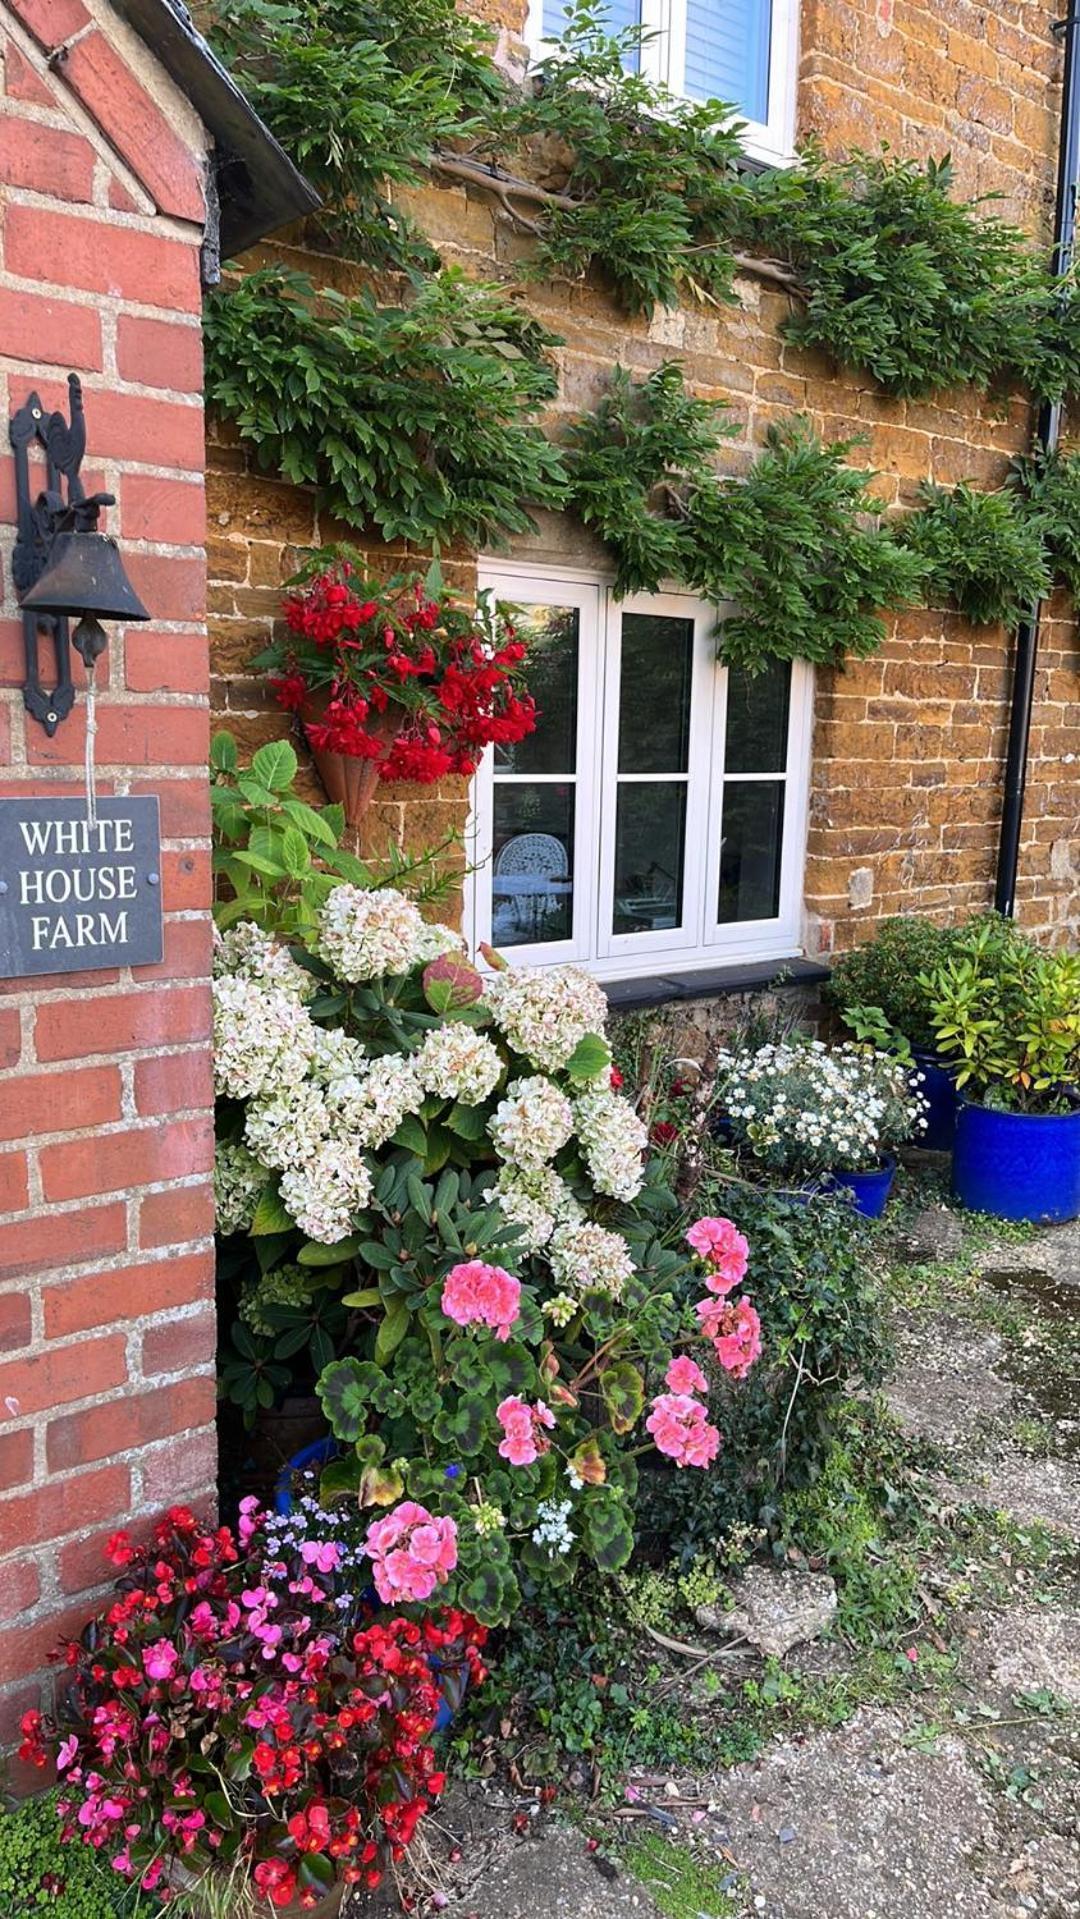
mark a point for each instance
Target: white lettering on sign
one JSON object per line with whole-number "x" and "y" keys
{"x": 77, "y": 836}
{"x": 89, "y": 929}
{"x": 60, "y": 884}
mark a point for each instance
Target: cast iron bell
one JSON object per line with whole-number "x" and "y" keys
{"x": 84, "y": 579}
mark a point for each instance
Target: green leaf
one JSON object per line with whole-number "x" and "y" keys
{"x": 270, "y": 1215}
{"x": 315, "y": 826}
{"x": 412, "y": 1136}
{"x": 590, "y": 1056}
{"x": 223, "y": 753}
{"x": 275, "y": 765}
{"x": 368, "y": 1296}
{"x": 622, "y": 1389}
{"x": 313, "y": 1253}
{"x": 468, "y": 1122}
{"x": 392, "y": 1331}
{"x": 295, "y": 855}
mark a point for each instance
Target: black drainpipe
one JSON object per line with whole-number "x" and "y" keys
{"x": 1049, "y": 431}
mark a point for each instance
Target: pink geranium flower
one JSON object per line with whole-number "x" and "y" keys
{"x": 685, "y": 1376}
{"x": 680, "y": 1428}
{"x": 734, "y": 1329}
{"x": 411, "y": 1551}
{"x": 524, "y": 1438}
{"x": 724, "y": 1250}
{"x": 477, "y": 1294}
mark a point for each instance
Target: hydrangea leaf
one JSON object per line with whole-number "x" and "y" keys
{"x": 589, "y": 1057}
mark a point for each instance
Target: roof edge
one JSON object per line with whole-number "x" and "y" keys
{"x": 259, "y": 189}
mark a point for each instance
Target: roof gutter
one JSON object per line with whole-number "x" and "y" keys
{"x": 1048, "y": 435}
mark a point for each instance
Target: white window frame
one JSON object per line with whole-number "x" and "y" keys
{"x": 701, "y": 940}
{"x": 663, "y": 59}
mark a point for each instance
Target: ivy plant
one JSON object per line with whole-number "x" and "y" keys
{"x": 983, "y": 552}
{"x": 360, "y": 93}
{"x": 901, "y": 280}
{"x": 1050, "y": 486}
{"x": 651, "y": 188}
{"x": 417, "y": 420}
{"x": 632, "y": 461}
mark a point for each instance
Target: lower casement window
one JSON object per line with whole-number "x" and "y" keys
{"x": 656, "y": 818}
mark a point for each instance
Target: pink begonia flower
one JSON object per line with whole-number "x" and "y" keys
{"x": 680, "y": 1428}
{"x": 523, "y": 1426}
{"x": 411, "y": 1551}
{"x": 724, "y": 1250}
{"x": 324, "y": 1555}
{"x": 250, "y": 1515}
{"x": 160, "y": 1660}
{"x": 478, "y": 1294}
{"x": 734, "y": 1328}
{"x": 68, "y": 1748}
{"x": 684, "y": 1375}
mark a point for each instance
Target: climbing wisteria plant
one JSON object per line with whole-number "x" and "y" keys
{"x": 518, "y": 1309}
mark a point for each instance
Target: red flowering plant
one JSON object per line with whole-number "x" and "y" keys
{"x": 399, "y": 673}
{"x": 240, "y": 1706}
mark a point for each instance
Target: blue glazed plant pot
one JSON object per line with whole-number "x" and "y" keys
{"x": 938, "y": 1088}
{"x": 1023, "y": 1166}
{"x": 317, "y": 1454}
{"x": 869, "y": 1191}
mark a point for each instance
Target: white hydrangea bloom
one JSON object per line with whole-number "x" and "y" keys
{"x": 372, "y": 1104}
{"x": 436, "y": 939}
{"x": 336, "y": 1056}
{"x": 544, "y": 1013}
{"x": 457, "y": 1062}
{"x": 263, "y": 1037}
{"x": 365, "y": 935}
{"x": 246, "y": 952}
{"x": 613, "y": 1140}
{"x": 323, "y": 1196}
{"x": 531, "y": 1123}
{"x": 534, "y": 1201}
{"x": 290, "y": 1128}
{"x": 586, "y": 1256}
{"x": 238, "y": 1181}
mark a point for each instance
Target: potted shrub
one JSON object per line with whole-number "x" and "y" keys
{"x": 1008, "y": 1013}
{"x": 396, "y": 679}
{"x": 821, "y": 1116}
{"x": 240, "y": 1723}
{"x": 878, "y": 992}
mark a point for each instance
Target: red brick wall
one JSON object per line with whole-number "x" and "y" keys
{"x": 106, "y": 1287}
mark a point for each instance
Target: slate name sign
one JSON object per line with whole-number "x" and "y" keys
{"x": 76, "y": 896}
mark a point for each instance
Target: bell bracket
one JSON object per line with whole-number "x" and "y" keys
{"x": 40, "y": 518}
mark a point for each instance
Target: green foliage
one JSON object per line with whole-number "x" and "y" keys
{"x": 644, "y": 445}
{"x": 39, "y": 1873}
{"x": 416, "y": 420}
{"x": 814, "y": 1284}
{"x": 797, "y": 546}
{"x": 983, "y": 552}
{"x": 682, "y": 1883}
{"x": 904, "y": 282}
{"x": 651, "y": 180}
{"x": 359, "y": 94}
{"x": 1050, "y": 485}
{"x": 885, "y": 973}
{"x": 1008, "y": 1012}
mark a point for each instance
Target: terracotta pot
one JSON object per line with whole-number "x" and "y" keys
{"x": 349, "y": 782}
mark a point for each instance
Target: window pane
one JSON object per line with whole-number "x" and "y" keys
{"x": 654, "y": 694}
{"x": 532, "y": 892}
{"x": 750, "y": 847}
{"x": 616, "y": 15}
{"x": 757, "y": 719}
{"x": 727, "y": 53}
{"x": 551, "y": 635}
{"x": 650, "y": 837}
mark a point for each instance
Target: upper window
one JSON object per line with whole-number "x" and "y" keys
{"x": 740, "y": 51}
{"x": 657, "y": 815}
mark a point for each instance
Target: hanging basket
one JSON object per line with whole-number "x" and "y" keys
{"x": 349, "y": 782}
